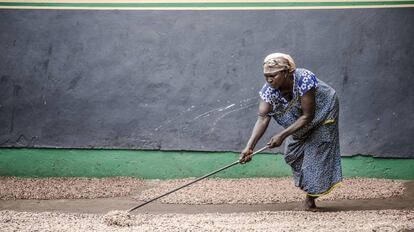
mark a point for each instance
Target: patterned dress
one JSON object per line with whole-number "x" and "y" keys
{"x": 313, "y": 151}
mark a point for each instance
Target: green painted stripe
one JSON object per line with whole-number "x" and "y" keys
{"x": 171, "y": 165}
{"x": 207, "y": 4}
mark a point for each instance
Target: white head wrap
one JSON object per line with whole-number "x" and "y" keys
{"x": 277, "y": 62}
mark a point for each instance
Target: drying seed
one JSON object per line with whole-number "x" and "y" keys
{"x": 118, "y": 218}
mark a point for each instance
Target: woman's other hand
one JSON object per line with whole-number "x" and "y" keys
{"x": 276, "y": 141}
{"x": 246, "y": 155}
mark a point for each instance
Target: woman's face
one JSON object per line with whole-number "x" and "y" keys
{"x": 275, "y": 79}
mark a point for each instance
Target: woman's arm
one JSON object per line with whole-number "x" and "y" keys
{"x": 260, "y": 127}
{"x": 308, "y": 113}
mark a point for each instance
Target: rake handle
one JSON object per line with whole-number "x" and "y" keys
{"x": 194, "y": 181}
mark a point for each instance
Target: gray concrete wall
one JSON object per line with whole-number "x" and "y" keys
{"x": 189, "y": 80}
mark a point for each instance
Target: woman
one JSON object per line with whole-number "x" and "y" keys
{"x": 308, "y": 110}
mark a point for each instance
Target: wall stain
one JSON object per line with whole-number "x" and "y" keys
{"x": 45, "y": 65}
{"x": 4, "y": 142}
{"x": 16, "y": 90}
{"x": 231, "y": 69}
{"x": 345, "y": 78}
{"x": 21, "y": 141}
{"x": 4, "y": 78}
{"x": 12, "y": 120}
{"x": 49, "y": 51}
{"x": 247, "y": 38}
{"x": 74, "y": 82}
{"x": 194, "y": 69}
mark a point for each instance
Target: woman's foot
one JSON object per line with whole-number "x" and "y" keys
{"x": 310, "y": 204}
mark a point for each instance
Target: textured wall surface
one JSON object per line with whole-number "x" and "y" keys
{"x": 33, "y": 162}
{"x": 189, "y": 80}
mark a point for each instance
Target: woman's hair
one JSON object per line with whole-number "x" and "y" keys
{"x": 277, "y": 62}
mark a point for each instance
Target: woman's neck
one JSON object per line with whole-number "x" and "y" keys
{"x": 287, "y": 85}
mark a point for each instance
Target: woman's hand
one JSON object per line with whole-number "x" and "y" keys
{"x": 276, "y": 141}
{"x": 246, "y": 155}
{"x": 259, "y": 128}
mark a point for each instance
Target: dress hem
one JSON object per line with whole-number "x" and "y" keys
{"x": 326, "y": 192}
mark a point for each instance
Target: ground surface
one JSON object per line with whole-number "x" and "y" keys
{"x": 358, "y": 205}
{"x": 384, "y": 220}
{"x": 208, "y": 191}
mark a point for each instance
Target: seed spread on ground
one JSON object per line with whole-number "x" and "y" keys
{"x": 265, "y": 190}
{"x": 118, "y": 218}
{"x": 208, "y": 191}
{"x": 67, "y": 187}
{"x": 383, "y": 220}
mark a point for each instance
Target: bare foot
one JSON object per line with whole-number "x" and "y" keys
{"x": 310, "y": 204}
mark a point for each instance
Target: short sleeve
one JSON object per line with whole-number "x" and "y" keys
{"x": 306, "y": 81}
{"x": 268, "y": 94}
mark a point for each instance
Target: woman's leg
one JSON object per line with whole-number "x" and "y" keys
{"x": 310, "y": 203}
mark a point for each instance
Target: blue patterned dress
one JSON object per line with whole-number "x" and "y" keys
{"x": 313, "y": 151}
